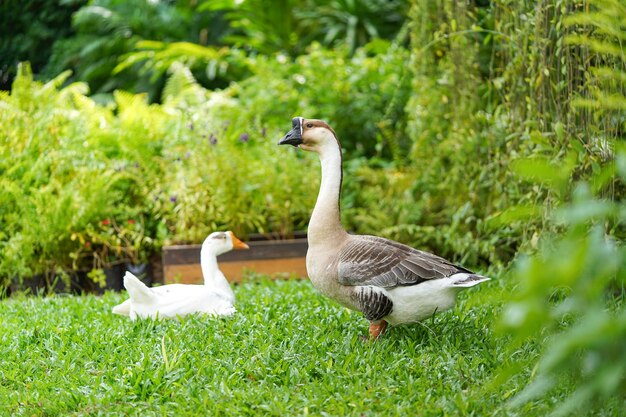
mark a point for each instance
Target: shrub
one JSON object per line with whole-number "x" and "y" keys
{"x": 106, "y": 30}
{"x": 225, "y": 170}
{"x": 84, "y": 185}
{"x": 361, "y": 96}
{"x": 571, "y": 292}
{"x": 57, "y": 178}
{"x": 30, "y": 30}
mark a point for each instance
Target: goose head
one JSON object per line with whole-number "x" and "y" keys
{"x": 310, "y": 135}
{"x": 218, "y": 243}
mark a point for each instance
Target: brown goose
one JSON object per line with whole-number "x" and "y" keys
{"x": 387, "y": 281}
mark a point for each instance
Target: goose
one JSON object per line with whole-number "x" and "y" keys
{"x": 390, "y": 283}
{"x": 215, "y": 297}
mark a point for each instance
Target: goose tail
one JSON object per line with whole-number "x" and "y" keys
{"x": 465, "y": 280}
{"x": 137, "y": 290}
{"x": 122, "y": 309}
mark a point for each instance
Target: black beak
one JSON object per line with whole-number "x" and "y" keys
{"x": 294, "y": 136}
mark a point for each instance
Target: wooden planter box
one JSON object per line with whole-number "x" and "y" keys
{"x": 277, "y": 258}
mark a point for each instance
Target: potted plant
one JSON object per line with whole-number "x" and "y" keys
{"x": 137, "y": 246}
{"x": 118, "y": 245}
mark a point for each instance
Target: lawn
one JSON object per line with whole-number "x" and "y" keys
{"x": 288, "y": 351}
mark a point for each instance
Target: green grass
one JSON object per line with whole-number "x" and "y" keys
{"x": 288, "y": 351}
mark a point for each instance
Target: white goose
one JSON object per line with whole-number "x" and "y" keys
{"x": 215, "y": 297}
{"x": 387, "y": 281}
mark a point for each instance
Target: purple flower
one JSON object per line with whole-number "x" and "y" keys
{"x": 213, "y": 139}
{"x": 244, "y": 137}
{"x": 136, "y": 164}
{"x": 173, "y": 199}
{"x": 187, "y": 155}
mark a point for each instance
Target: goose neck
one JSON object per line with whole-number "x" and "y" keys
{"x": 213, "y": 277}
{"x": 325, "y": 223}
{"x": 208, "y": 263}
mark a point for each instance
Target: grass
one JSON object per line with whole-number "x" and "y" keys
{"x": 288, "y": 351}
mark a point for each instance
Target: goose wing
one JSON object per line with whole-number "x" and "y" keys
{"x": 371, "y": 260}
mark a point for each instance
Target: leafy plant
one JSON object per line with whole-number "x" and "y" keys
{"x": 353, "y": 23}
{"x": 158, "y": 58}
{"x": 226, "y": 170}
{"x": 107, "y": 30}
{"x": 60, "y": 176}
{"x": 113, "y": 186}
{"x": 260, "y": 27}
{"x": 27, "y": 31}
{"x": 361, "y": 96}
{"x": 572, "y": 291}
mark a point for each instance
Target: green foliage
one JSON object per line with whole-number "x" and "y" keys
{"x": 361, "y": 96}
{"x": 289, "y": 26}
{"x": 53, "y": 182}
{"x": 353, "y": 23}
{"x": 225, "y": 170}
{"x": 572, "y": 292}
{"x": 600, "y": 34}
{"x": 131, "y": 45}
{"x": 261, "y": 27}
{"x": 85, "y": 185}
{"x": 109, "y": 29}
{"x": 485, "y": 96}
{"x": 452, "y": 148}
{"x": 28, "y": 28}
{"x": 157, "y": 58}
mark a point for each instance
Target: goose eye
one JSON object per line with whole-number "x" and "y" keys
{"x": 309, "y": 125}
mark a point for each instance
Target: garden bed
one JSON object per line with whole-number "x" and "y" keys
{"x": 278, "y": 258}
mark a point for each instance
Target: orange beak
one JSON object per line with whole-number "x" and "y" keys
{"x": 237, "y": 244}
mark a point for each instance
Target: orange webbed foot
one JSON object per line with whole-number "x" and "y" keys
{"x": 377, "y": 329}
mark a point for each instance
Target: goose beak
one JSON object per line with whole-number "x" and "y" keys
{"x": 238, "y": 244}
{"x": 294, "y": 136}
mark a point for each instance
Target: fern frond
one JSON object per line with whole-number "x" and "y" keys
{"x": 130, "y": 59}
{"x": 604, "y": 24}
{"x": 57, "y": 81}
{"x": 182, "y": 86}
{"x": 596, "y": 45}
{"x": 602, "y": 100}
{"x": 607, "y": 74}
{"x": 126, "y": 100}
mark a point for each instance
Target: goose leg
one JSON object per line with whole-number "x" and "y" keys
{"x": 377, "y": 329}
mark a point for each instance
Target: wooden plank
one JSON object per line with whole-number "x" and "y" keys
{"x": 235, "y": 271}
{"x": 259, "y": 250}
{"x": 275, "y": 236}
